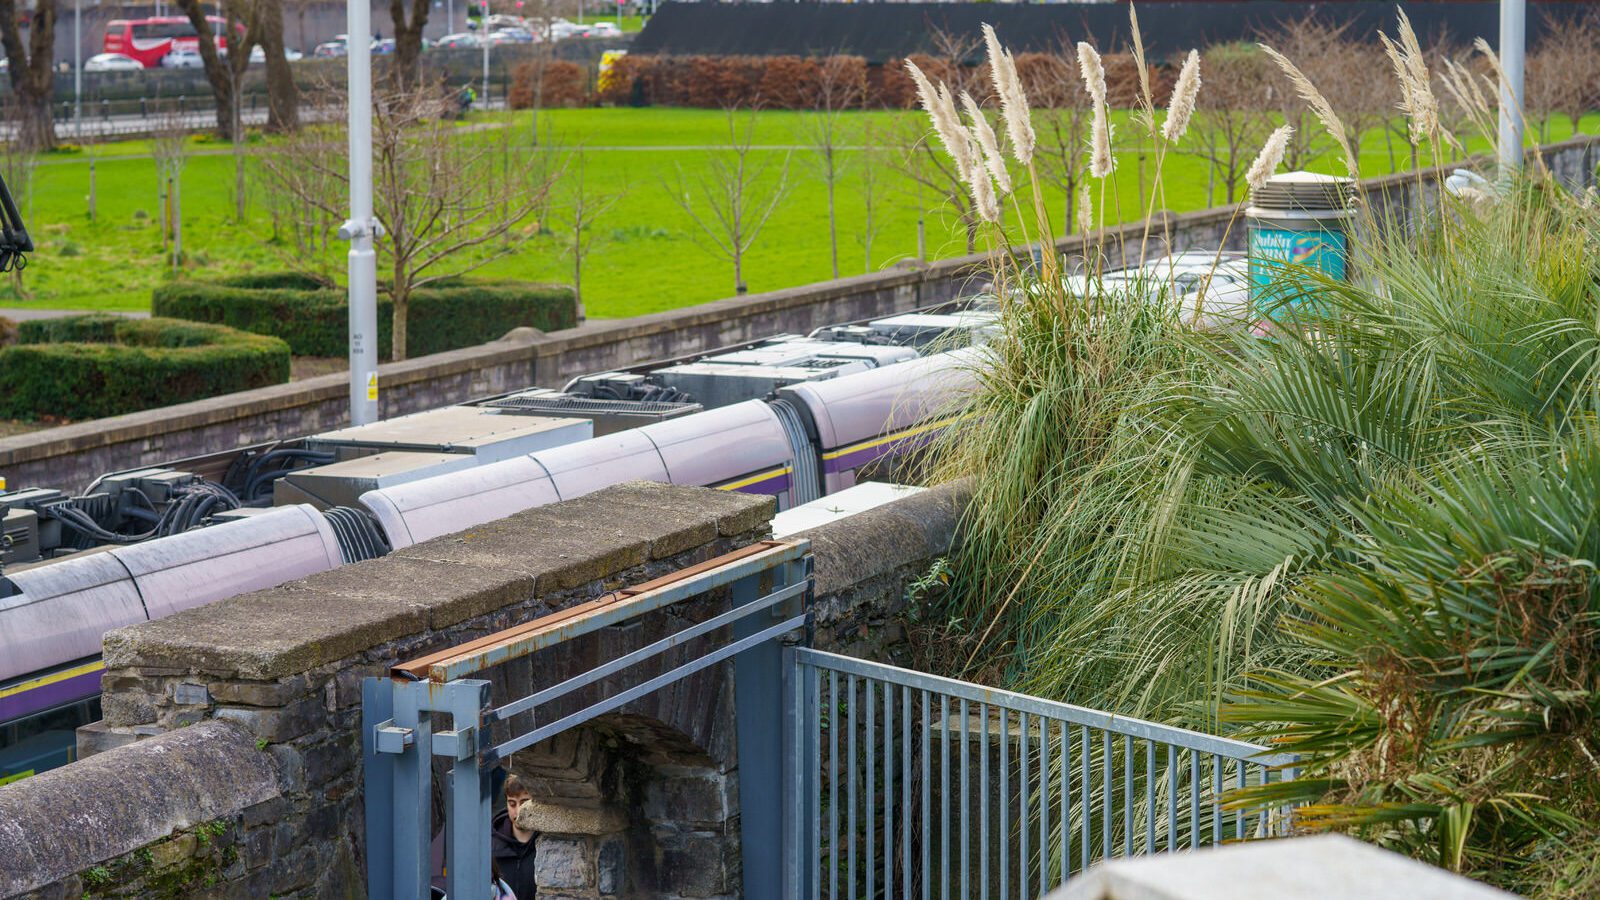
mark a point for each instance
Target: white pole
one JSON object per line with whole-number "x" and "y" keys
{"x": 362, "y": 227}
{"x": 77, "y": 70}
{"x": 483, "y": 35}
{"x": 1513, "y": 45}
{"x": 450, "y": 16}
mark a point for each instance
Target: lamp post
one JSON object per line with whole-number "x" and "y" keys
{"x": 1513, "y": 45}
{"x": 361, "y": 228}
{"x": 77, "y": 70}
{"x": 483, "y": 35}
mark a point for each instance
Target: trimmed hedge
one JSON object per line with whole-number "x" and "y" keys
{"x": 89, "y": 366}
{"x": 312, "y": 316}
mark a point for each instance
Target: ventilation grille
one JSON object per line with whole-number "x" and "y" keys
{"x": 1305, "y": 192}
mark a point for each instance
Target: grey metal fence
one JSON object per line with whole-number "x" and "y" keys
{"x": 917, "y": 786}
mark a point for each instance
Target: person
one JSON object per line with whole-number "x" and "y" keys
{"x": 513, "y": 839}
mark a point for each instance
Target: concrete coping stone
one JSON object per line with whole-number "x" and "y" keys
{"x": 1327, "y": 867}
{"x": 70, "y": 819}
{"x": 333, "y": 615}
{"x": 882, "y": 540}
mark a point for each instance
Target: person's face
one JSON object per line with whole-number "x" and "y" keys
{"x": 515, "y": 802}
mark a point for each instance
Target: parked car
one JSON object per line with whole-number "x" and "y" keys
{"x": 561, "y": 29}
{"x": 510, "y": 36}
{"x": 111, "y": 62}
{"x": 605, "y": 29}
{"x": 383, "y": 47}
{"x": 330, "y": 49}
{"x": 258, "y": 55}
{"x": 458, "y": 41}
{"x": 180, "y": 58}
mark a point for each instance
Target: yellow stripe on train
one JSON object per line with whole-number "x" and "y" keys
{"x": 52, "y": 678}
{"x": 895, "y": 436}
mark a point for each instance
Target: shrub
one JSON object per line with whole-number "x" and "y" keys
{"x": 84, "y": 367}
{"x": 565, "y": 84}
{"x": 311, "y": 314}
{"x": 8, "y": 332}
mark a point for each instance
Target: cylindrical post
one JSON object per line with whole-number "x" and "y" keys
{"x": 484, "y": 36}
{"x": 77, "y": 69}
{"x": 361, "y": 228}
{"x": 177, "y": 223}
{"x": 1513, "y": 43}
{"x": 91, "y": 190}
{"x": 922, "y": 239}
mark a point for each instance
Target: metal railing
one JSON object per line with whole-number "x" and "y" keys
{"x": 917, "y": 786}
{"x": 768, "y": 586}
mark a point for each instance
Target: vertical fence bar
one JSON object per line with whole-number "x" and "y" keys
{"x": 983, "y": 803}
{"x": 1172, "y": 798}
{"x": 377, "y": 705}
{"x": 1149, "y": 796}
{"x": 888, "y": 790}
{"x": 1127, "y": 795}
{"x": 966, "y": 820}
{"x": 905, "y": 793}
{"x": 1239, "y": 815}
{"x": 1194, "y": 799}
{"x": 1044, "y": 805}
{"x": 850, "y": 781}
{"x": 944, "y": 796}
{"x": 813, "y": 770}
{"x": 1005, "y": 802}
{"x": 1064, "y": 767}
{"x": 833, "y": 785}
{"x": 413, "y": 794}
{"x": 1216, "y": 799}
{"x": 467, "y": 843}
{"x": 1086, "y": 802}
{"x": 1108, "y": 796}
{"x": 1023, "y": 724}
{"x": 869, "y": 792}
{"x": 927, "y": 791}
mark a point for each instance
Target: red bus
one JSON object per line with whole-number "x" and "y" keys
{"x": 147, "y": 40}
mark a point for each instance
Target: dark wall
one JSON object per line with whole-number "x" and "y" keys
{"x": 884, "y": 31}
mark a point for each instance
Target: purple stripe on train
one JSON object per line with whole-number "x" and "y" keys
{"x": 855, "y": 459}
{"x": 60, "y": 693}
{"x": 777, "y": 484}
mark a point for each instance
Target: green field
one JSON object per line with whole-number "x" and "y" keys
{"x": 647, "y": 255}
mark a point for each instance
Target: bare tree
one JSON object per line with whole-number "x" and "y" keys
{"x": 404, "y": 70}
{"x": 926, "y": 170}
{"x": 838, "y": 88}
{"x": 306, "y": 188}
{"x": 1232, "y": 120}
{"x": 17, "y": 163}
{"x": 224, "y": 68}
{"x": 1562, "y": 72}
{"x": 441, "y": 216}
{"x": 734, "y": 198}
{"x": 169, "y": 145}
{"x": 583, "y": 207}
{"x": 874, "y": 193}
{"x": 30, "y": 69}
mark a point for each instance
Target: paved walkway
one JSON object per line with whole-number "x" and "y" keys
{"x": 23, "y": 313}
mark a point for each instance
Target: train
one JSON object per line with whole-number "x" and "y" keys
{"x": 794, "y": 417}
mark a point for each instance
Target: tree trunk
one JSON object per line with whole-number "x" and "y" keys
{"x": 216, "y": 68}
{"x": 402, "y": 304}
{"x": 407, "y": 40}
{"x": 32, "y": 78}
{"x": 833, "y": 219}
{"x": 283, "y": 98}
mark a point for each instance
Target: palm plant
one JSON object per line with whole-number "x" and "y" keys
{"x": 1370, "y": 537}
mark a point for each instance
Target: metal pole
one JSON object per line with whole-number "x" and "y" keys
{"x": 1513, "y": 44}
{"x": 450, "y": 16}
{"x": 362, "y": 227}
{"x": 483, "y": 34}
{"x": 77, "y": 69}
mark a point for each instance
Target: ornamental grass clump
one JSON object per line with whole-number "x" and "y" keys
{"x": 1369, "y": 540}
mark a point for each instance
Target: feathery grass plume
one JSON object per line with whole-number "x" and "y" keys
{"x": 1424, "y": 105}
{"x": 1270, "y": 157}
{"x": 983, "y": 197}
{"x": 1101, "y": 160}
{"x": 941, "y": 109}
{"x": 1085, "y": 209}
{"x": 1146, "y": 114}
{"x": 1319, "y": 107}
{"x": 1403, "y": 76}
{"x": 1013, "y": 99}
{"x": 1094, "y": 73}
{"x": 1464, "y": 89}
{"x": 983, "y": 135}
{"x": 1185, "y": 92}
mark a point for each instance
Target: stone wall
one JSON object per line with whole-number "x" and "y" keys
{"x": 73, "y": 455}
{"x": 228, "y": 762}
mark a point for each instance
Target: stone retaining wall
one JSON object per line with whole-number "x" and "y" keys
{"x": 73, "y": 455}
{"x": 228, "y": 762}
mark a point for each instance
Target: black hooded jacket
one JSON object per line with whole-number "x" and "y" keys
{"x": 514, "y": 858}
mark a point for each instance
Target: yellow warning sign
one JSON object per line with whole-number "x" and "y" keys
{"x": 372, "y": 386}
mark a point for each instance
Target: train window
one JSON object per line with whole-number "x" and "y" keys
{"x": 44, "y": 741}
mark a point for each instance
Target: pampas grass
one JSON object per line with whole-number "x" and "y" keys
{"x": 941, "y": 109}
{"x": 1320, "y": 107}
{"x": 1013, "y": 99}
{"x": 1270, "y": 157}
{"x": 1185, "y": 93}
{"x": 983, "y": 135}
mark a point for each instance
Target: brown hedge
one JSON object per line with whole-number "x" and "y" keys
{"x": 793, "y": 82}
{"x": 565, "y": 84}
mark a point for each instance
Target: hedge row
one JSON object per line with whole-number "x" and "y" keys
{"x": 89, "y": 366}
{"x": 564, "y": 84}
{"x": 313, "y": 317}
{"x": 793, "y": 82}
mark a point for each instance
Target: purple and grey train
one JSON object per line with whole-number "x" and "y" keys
{"x": 804, "y": 440}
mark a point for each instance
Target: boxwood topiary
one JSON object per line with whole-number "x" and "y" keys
{"x": 88, "y": 366}
{"x": 311, "y": 314}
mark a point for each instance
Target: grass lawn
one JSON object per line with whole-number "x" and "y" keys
{"x": 647, "y": 256}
